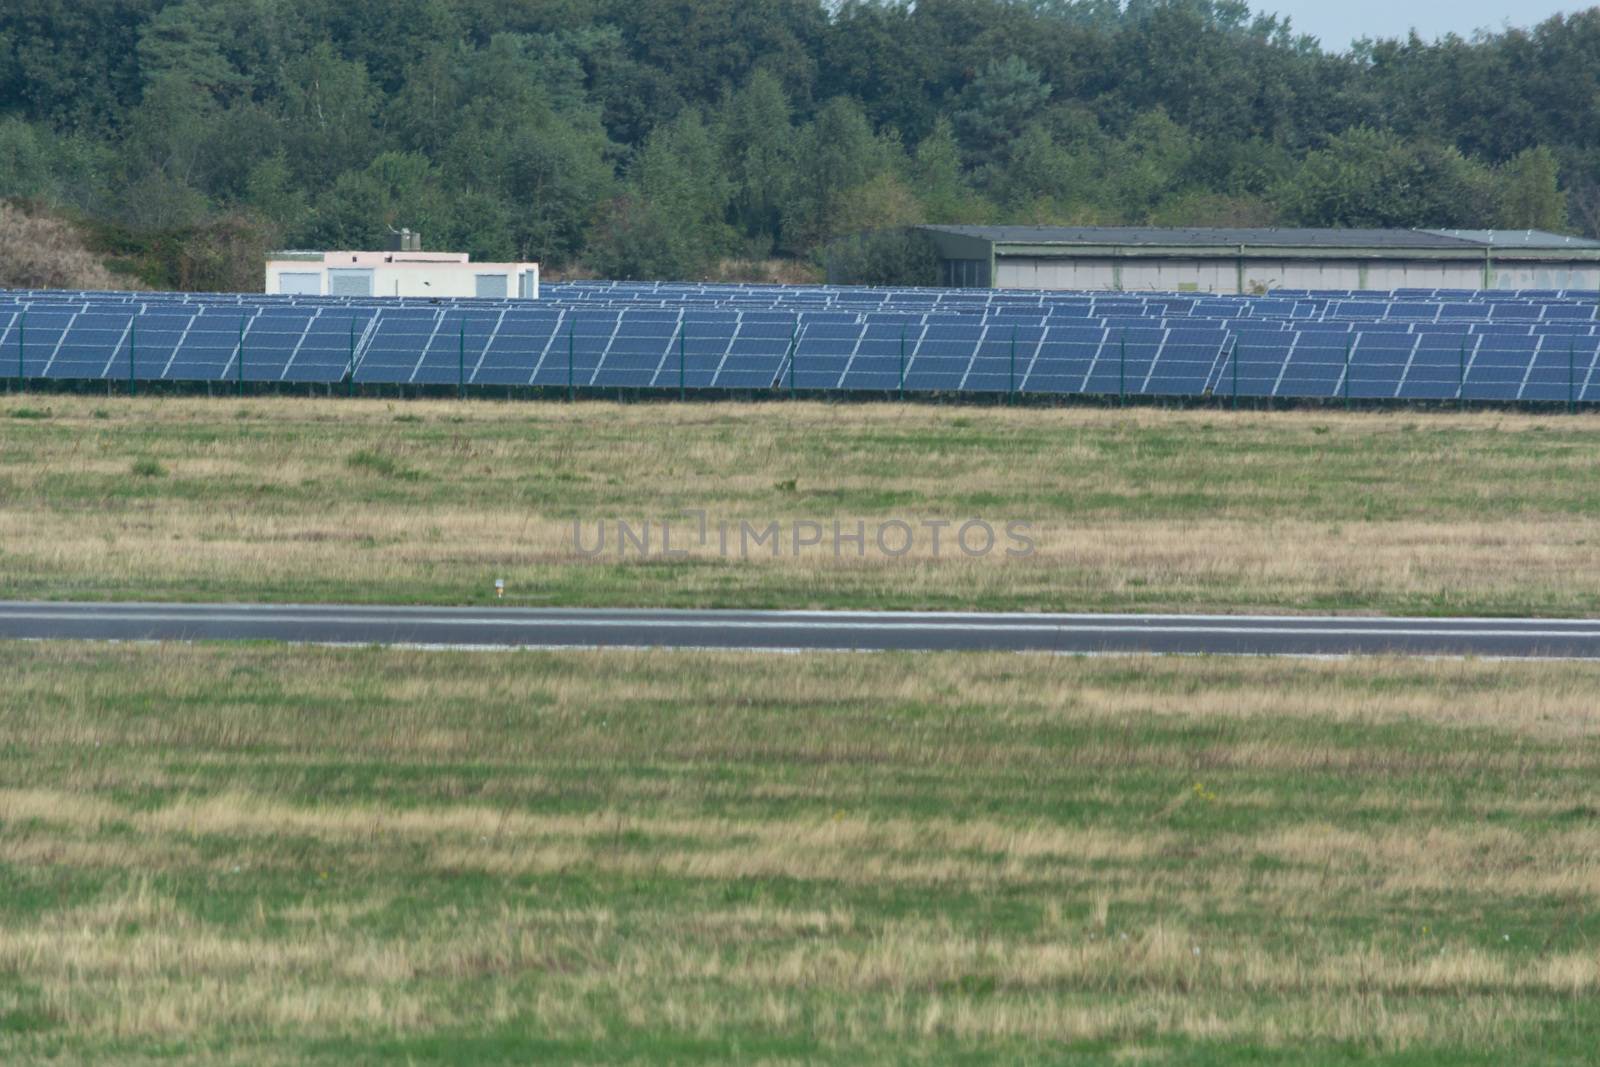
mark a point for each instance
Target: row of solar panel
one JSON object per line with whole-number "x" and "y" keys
{"x": 534, "y": 320}
{"x": 792, "y": 315}
{"x": 400, "y": 332}
{"x": 1360, "y": 302}
{"x": 407, "y": 349}
{"x": 603, "y": 285}
{"x": 676, "y": 289}
{"x": 1374, "y": 303}
{"x": 1360, "y": 305}
{"x": 402, "y": 323}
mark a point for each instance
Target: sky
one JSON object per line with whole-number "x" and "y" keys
{"x": 1338, "y": 22}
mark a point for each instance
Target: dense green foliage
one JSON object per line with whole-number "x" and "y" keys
{"x": 657, "y": 137}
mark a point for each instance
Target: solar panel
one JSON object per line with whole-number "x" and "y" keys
{"x": 1410, "y": 344}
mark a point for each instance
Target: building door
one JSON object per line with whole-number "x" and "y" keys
{"x": 349, "y": 282}
{"x": 307, "y": 283}
{"x": 491, "y": 287}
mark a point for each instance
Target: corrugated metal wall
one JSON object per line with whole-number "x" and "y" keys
{"x": 1261, "y": 273}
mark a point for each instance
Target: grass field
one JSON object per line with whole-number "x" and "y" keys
{"x": 260, "y": 855}
{"x": 366, "y": 500}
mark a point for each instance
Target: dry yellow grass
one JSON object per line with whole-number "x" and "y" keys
{"x": 379, "y": 856}
{"x": 327, "y": 499}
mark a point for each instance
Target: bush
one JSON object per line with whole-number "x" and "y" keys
{"x": 46, "y": 252}
{"x": 148, "y": 468}
{"x": 885, "y": 257}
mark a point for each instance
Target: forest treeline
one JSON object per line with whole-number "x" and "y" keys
{"x": 661, "y": 138}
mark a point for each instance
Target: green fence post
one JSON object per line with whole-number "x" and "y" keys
{"x": 1461, "y": 376}
{"x": 133, "y": 349}
{"x": 241, "y": 357}
{"x": 682, "y": 343}
{"x": 572, "y": 346}
{"x": 22, "y": 348}
{"x": 1122, "y": 373}
{"x": 1572, "y": 396}
{"x": 350, "y": 382}
{"x": 1011, "y": 383}
{"x": 902, "y": 363}
{"x": 461, "y": 364}
{"x": 1234, "y": 360}
{"x": 794, "y": 354}
{"x": 1347, "y": 370}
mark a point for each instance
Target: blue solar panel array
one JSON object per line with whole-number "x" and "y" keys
{"x": 1533, "y": 345}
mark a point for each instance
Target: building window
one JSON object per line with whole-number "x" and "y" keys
{"x": 966, "y": 273}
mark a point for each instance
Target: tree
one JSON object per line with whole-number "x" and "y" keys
{"x": 890, "y": 58}
{"x": 329, "y": 107}
{"x": 671, "y": 223}
{"x": 1149, "y": 163}
{"x": 271, "y": 195}
{"x": 1530, "y": 196}
{"x": 181, "y": 45}
{"x": 396, "y": 190}
{"x": 530, "y": 130}
{"x": 1000, "y": 102}
{"x": 1035, "y": 175}
{"x": 754, "y": 128}
{"x": 705, "y": 48}
{"x": 25, "y": 170}
{"x": 1374, "y": 178}
{"x": 72, "y": 65}
{"x": 834, "y": 153}
{"x": 938, "y": 179}
{"x": 549, "y": 170}
{"x": 170, "y": 132}
{"x": 882, "y": 202}
{"x": 425, "y": 111}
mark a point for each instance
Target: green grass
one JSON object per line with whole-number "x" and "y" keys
{"x": 266, "y": 855}
{"x": 431, "y": 502}
{"x": 385, "y": 466}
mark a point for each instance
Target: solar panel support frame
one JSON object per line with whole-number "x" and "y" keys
{"x": 794, "y": 353}
{"x": 1011, "y": 381}
{"x": 1234, "y": 362}
{"x": 1344, "y": 383}
{"x": 1122, "y": 371}
{"x": 902, "y": 363}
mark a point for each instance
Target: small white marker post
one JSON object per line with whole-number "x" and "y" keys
{"x": 499, "y": 588}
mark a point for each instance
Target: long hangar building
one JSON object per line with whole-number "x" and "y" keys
{"x": 1256, "y": 260}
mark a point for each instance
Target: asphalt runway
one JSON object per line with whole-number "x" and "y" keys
{"x": 504, "y": 627}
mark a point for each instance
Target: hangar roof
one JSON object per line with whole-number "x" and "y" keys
{"x": 1262, "y": 237}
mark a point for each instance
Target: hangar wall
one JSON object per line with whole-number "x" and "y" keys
{"x": 1263, "y": 273}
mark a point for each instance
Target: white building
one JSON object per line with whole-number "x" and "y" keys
{"x": 400, "y": 273}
